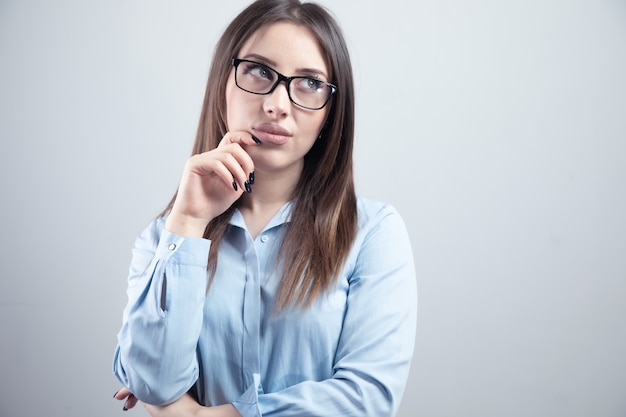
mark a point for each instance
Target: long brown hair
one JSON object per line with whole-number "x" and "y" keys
{"x": 324, "y": 218}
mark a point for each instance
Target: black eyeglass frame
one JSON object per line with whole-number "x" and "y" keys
{"x": 280, "y": 78}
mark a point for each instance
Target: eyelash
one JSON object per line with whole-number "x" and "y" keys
{"x": 260, "y": 67}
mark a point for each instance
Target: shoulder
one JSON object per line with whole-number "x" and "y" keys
{"x": 378, "y": 218}
{"x": 382, "y": 243}
{"x": 371, "y": 212}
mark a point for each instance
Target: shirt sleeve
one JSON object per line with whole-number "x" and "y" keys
{"x": 155, "y": 357}
{"x": 377, "y": 340}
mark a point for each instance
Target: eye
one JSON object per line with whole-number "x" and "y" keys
{"x": 311, "y": 85}
{"x": 258, "y": 70}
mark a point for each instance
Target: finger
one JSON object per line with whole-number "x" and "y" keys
{"x": 231, "y": 174}
{"x": 239, "y": 165}
{"x": 217, "y": 164}
{"x": 125, "y": 394}
{"x": 231, "y": 163}
{"x": 122, "y": 393}
{"x": 240, "y": 137}
{"x": 130, "y": 402}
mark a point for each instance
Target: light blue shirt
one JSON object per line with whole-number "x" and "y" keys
{"x": 347, "y": 355}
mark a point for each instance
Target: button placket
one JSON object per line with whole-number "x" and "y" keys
{"x": 251, "y": 314}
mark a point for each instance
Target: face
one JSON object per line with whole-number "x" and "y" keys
{"x": 287, "y": 131}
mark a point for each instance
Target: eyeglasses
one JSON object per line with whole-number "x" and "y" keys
{"x": 307, "y": 92}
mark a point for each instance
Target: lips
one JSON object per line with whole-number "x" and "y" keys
{"x": 271, "y": 133}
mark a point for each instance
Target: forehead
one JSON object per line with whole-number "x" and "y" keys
{"x": 287, "y": 46}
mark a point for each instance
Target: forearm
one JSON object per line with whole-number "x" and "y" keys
{"x": 226, "y": 410}
{"x": 155, "y": 356}
{"x": 186, "y": 225}
{"x": 373, "y": 356}
{"x": 348, "y": 394}
{"x": 186, "y": 406}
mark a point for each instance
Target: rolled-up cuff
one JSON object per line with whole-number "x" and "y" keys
{"x": 248, "y": 403}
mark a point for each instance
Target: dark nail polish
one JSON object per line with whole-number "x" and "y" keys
{"x": 256, "y": 140}
{"x": 124, "y": 408}
{"x": 235, "y": 186}
{"x": 251, "y": 180}
{"x": 115, "y": 393}
{"x": 247, "y": 185}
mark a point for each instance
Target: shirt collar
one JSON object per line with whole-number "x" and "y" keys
{"x": 282, "y": 216}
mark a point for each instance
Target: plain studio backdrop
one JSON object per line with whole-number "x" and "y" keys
{"x": 497, "y": 129}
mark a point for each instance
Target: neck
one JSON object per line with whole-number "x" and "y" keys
{"x": 269, "y": 193}
{"x": 270, "y": 190}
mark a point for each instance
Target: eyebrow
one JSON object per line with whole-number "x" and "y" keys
{"x": 270, "y": 63}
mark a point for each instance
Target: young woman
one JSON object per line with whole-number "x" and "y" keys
{"x": 266, "y": 287}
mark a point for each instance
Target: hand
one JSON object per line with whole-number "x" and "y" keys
{"x": 125, "y": 394}
{"x": 211, "y": 182}
{"x": 185, "y": 406}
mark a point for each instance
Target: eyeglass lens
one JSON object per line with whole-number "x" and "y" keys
{"x": 257, "y": 78}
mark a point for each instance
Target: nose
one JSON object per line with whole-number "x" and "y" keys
{"x": 277, "y": 103}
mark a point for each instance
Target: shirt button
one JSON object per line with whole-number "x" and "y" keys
{"x": 264, "y": 238}
{"x": 172, "y": 246}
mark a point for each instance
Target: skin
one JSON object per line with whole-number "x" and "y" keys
{"x": 206, "y": 188}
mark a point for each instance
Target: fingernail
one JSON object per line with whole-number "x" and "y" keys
{"x": 115, "y": 393}
{"x": 124, "y": 408}
{"x": 256, "y": 140}
{"x": 247, "y": 185}
{"x": 251, "y": 180}
{"x": 235, "y": 185}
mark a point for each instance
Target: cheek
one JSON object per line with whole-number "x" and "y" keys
{"x": 315, "y": 122}
{"x": 230, "y": 104}
{"x": 236, "y": 106}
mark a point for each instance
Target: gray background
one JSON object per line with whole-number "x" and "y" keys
{"x": 497, "y": 128}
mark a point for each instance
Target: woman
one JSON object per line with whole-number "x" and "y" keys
{"x": 266, "y": 287}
